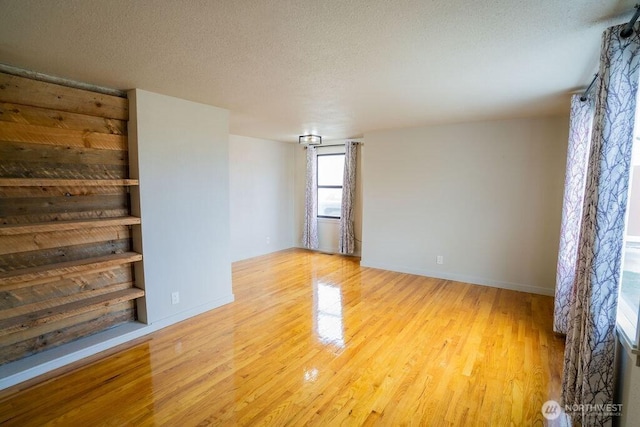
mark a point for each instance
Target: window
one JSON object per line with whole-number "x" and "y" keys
{"x": 330, "y": 172}
{"x": 629, "y": 297}
{"x": 629, "y": 294}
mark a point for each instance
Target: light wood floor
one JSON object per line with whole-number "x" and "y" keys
{"x": 315, "y": 339}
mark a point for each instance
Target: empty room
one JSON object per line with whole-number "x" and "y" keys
{"x": 319, "y": 213}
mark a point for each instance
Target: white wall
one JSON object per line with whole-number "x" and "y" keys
{"x": 182, "y": 164}
{"x": 328, "y": 229}
{"x": 486, "y": 196}
{"x": 261, "y": 196}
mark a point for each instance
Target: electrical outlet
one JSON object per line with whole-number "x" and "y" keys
{"x": 268, "y": 240}
{"x": 175, "y": 297}
{"x": 440, "y": 259}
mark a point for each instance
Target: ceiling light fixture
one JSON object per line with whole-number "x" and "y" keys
{"x": 310, "y": 139}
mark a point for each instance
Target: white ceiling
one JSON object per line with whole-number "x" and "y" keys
{"x": 338, "y": 68}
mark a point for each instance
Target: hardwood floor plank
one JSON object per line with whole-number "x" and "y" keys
{"x": 315, "y": 339}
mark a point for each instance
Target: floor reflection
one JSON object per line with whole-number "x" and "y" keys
{"x": 328, "y": 319}
{"x": 310, "y": 375}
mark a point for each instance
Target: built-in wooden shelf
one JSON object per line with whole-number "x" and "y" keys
{"x": 40, "y": 227}
{"x": 37, "y": 182}
{"x": 69, "y": 197}
{"x": 52, "y": 314}
{"x": 33, "y": 275}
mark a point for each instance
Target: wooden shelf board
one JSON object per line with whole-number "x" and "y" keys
{"x": 14, "y": 229}
{"x": 38, "y": 182}
{"x": 64, "y": 270}
{"x": 60, "y": 300}
{"x": 52, "y": 314}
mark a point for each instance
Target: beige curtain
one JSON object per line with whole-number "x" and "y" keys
{"x": 310, "y": 232}
{"x": 580, "y": 124}
{"x": 347, "y": 241}
{"x": 589, "y": 365}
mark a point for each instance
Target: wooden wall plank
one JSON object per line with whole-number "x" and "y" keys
{"x": 63, "y": 323}
{"x": 49, "y": 315}
{"x": 58, "y": 333}
{"x": 16, "y": 170}
{"x": 25, "y": 114}
{"x": 14, "y": 229}
{"x": 55, "y": 287}
{"x": 18, "y": 132}
{"x": 42, "y": 182}
{"x": 57, "y": 204}
{"x": 44, "y": 303}
{"x": 19, "y": 170}
{"x": 39, "y": 153}
{"x": 64, "y": 216}
{"x": 20, "y": 90}
{"x": 17, "y": 261}
{"x": 60, "y": 191}
{"x": 32, "y": 276}
{"x": 39, "y": 209}
{"x": 54, "y": 239}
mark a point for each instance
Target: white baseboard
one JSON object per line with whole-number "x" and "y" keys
{"x": 32, "y": 366}
{"x": 332, "y": 251}
{"x": 461, "y": 278}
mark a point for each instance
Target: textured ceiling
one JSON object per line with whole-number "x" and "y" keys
{"x": 338, "y": 68}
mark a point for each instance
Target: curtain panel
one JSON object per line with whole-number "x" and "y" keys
{"x": 589, "y": 368}
{"x": 310, "y": 232}
{"x": 347, "y": 242}
{"x": 580, "y": 124}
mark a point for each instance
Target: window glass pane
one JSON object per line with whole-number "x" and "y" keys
{"x": 629, "y": 300}
{"x": 330, "y": 169}
{"x": 629, "y": 294}
{"x": 329, "y": 201}
{"x": 629, "y": 297}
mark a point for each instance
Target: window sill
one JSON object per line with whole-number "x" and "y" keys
{"x": 329, "y": 220}
{"x": 628, "y": 345}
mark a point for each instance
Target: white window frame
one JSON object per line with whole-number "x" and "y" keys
{"x": 318, "y": 186}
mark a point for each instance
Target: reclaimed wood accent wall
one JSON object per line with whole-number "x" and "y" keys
{"x": 66, "y": 260}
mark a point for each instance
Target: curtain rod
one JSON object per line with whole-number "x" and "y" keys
{"x": 338, "y": 145}
{"x": 334, "y": 145}
{"x": 627, "y": 31}
{"x": 588, "y": 89}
